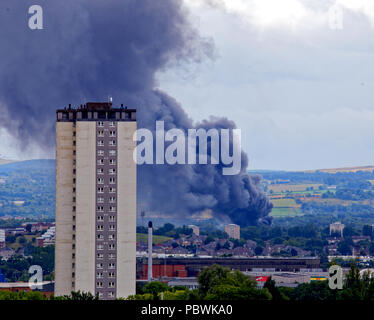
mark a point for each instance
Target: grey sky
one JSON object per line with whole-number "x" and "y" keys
{"x": 301, "y": 91}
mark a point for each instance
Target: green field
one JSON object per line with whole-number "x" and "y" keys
{"x": 284, "y": 203}
{"x": 285, "y": 207}
{"x": 285, "y": 187}
{"x": 143, "y": 237}
{"x": 285, "y": 212}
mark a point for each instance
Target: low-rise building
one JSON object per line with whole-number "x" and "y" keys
{"x": 195, "y": 229}
{"x": 37, "y": 226}
{"x": 356, "y": 239}
{"x": 197, "y": 240}
{"x": 6, "y": 253}
{"x": 332, "y": 240}
{"x": 14, "y": 231}
{"x": 242, "y": 252}
{"x": 332, "y": 249}
{"x": 2, "y": 238}
{"x": 47, "y": 238}
{"x": 190, "y": 282}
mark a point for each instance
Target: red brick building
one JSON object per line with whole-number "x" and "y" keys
{"x": 160, "y": 270}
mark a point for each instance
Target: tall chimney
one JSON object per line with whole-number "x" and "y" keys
{"x": 150, "y": 251}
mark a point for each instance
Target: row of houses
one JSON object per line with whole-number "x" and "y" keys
{"x": 35, "y": 227}
{"x": 198, "y": 246}
{"x": 357, "y": 249}
{"x": 46, "y": 239}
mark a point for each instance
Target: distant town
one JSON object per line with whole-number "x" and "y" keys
{"x": 180, "y": 253}
{"x": 319, "y": 218}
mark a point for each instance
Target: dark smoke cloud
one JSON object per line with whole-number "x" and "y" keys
{"x": 90, "y": 49}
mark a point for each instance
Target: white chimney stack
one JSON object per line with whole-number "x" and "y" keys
{"x": 150, "y": 251}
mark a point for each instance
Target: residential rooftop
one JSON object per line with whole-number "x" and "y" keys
{"x": 96, "y": 111}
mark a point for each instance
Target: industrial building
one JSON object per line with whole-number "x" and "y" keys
{"x": 190, "y": 267}
{"x": 95, "y": 200}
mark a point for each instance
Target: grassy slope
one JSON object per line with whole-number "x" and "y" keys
{"x": 292, "y": 187}
{"x": 347, "y": 169}
{"x": 30, "y": 181}
{"x": 143, "y": 237}
{"x": 282, "y": 203}
{"x": 285, "y": 207}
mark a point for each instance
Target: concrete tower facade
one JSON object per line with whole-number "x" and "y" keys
{"x": 337, "y": 227}
{"x": 95, "y": 201}
{"x": 233, "y": 230}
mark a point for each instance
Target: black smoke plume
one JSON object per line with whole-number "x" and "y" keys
{"x": 90, "y": 49}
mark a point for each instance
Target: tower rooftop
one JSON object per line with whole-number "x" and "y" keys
{"x": 94, "y": 111}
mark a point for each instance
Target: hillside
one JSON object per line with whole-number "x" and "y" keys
{"x": 5, "y": 161}
{"x": 347, "y": 169}
{"x": 321, "y": 196}
{"x": 142, "y": 237}
{"x": 27, "y": 189}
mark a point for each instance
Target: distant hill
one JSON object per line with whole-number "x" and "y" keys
{"x": 27, "y": 188}
{"x": 37, "y": 164}
{"x": 5, "y": 161}
{"x": 347, "y": 169}
{"x": 331, "y": 170}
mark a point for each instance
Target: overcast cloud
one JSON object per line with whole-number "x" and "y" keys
{"x": 301, "y": 91}
{"x": 300, "y": 88}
